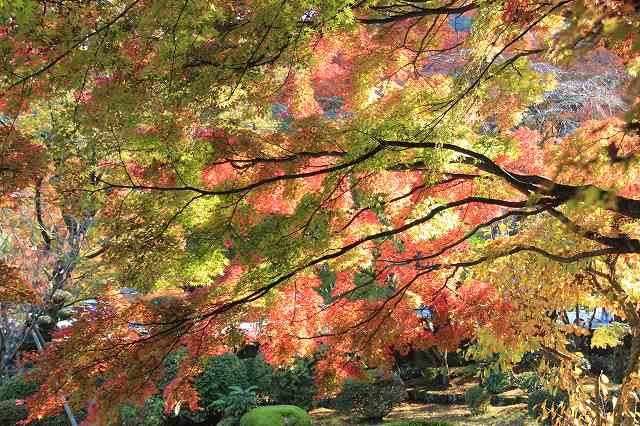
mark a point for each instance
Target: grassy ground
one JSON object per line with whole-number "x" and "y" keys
{"x": 515, "y": 415}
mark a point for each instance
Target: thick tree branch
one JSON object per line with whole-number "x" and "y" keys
{"x": 481, "y": 162}
{"x": 418, "y": 12}
{"x": 253, "y": 185}
{"x": 248, "y": 162}
{"x": 556, "y": 193}
{"x": 624, "y": 242}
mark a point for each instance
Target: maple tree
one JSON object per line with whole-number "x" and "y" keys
{"x": 325, "y": 170}
{"x": 39, "y": 257}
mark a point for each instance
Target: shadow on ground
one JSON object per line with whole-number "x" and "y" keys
{"x": 514, "y": 415}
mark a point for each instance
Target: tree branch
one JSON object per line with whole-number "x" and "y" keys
{"x": 419, "y": 12}
{"x": 557, "y": 193}
{"x": 38, "y": 208}
{"x": 64, "y": 54}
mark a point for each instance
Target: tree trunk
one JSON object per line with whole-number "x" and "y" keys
{"x": 621, "y": 415}
{"x": 430, "y": 353}
{"x": 445, "y": 381}
{"x": 39, "y": 344}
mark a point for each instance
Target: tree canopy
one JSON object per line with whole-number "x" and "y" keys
{"x": 321, "y": 170}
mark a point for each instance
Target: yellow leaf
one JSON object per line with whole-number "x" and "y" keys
{"x": 609, "y": 336}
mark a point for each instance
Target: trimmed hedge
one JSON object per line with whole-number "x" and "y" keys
{"x": 276, "y": 415}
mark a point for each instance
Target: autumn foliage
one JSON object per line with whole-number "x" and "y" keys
{"x": 337, "y": 178}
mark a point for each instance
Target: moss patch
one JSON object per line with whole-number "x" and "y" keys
{"x": 276, "y": 415}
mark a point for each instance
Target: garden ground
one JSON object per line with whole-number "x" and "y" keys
{"x": 514, "y": 415}
{"x": 432, "y": 407}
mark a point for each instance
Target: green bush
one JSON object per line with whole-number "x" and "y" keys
{"x": 171, "y": 363}
{"x": 373, "y": 399}
{"x": 549, "y": 399}
{"x": 150, "y": 414}
{"x": 407, "y": 372}
{"x": 435, "y": 376}
{"x": 290, "y": 385}
{"x": 529, "y": 381}
{"x": 11, "y": 413}
{"x": 218, "y": 375}
{"x": 236, "y": 402}
{"x": 276, "y": 415}
{"x": 260, "y": 375}
{"x": 431, "y": 373}
{"x": 295, "y": 384}
{"x": 467, "y": 371}
{"x": 477, "y": 399}
{"x": 418, "y": 423}
{"x": 497, "y": 382}
{"x": 16, "y": 387}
